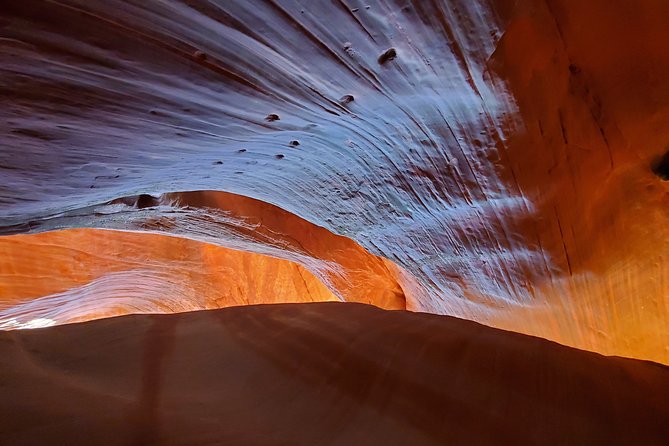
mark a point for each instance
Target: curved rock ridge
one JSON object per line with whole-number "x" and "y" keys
{"x": 502, "y": 154}
{"x": 245, "y": 224}
{"x": 180, "y": 252}
{"x": 318, "y": 374}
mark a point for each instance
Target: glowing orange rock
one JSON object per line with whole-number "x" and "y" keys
{"x": 80, "y": 274}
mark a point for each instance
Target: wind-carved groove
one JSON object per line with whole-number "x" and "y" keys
{"x": 564, "y": 244}
{"x": 563, "y": 129}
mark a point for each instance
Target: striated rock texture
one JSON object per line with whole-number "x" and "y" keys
{"x": 90, "y": 274}
{"x": 504, "y": 158}
{"x": 189, "y": 255}
{"x": 325, "y": 374}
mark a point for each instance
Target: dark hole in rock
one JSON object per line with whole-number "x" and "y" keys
{"x": 387, "y": 56}
{"x": 241, "y": 150}
{"x": 347, "y": 99}
{"x": 280, "y": 156}
{"x": 294, "y": 143}
{"x": 145, "y": 201}
{"x": 272, "y": 117}
{"x": 661, "y": 167}
{"x": 218, "y": 162}
{"x": 574, "y": 69}
{"x": 199, "y": 55}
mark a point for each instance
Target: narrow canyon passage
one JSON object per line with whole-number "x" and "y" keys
{"x": 503, "y": 162}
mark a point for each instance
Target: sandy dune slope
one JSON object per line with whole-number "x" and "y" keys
{"x": 318, "y": 374}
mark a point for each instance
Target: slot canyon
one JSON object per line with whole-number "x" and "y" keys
{"x": 334, "y": 222}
